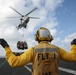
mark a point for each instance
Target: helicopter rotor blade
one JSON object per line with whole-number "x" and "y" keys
{"x": 34, "y": 17}
{"x": 16, "y": 11}
{"x": 31, "y": 11}
{"x": 13, "y": 17}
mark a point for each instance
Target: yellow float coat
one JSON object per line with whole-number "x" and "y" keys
{"x": 27, "y": 56}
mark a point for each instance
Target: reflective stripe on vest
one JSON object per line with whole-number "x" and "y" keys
{"x": 46, "y": 50}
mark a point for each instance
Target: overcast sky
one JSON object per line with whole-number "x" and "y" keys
{"x": 59, "y": 16}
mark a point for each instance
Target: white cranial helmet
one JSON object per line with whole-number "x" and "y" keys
{"x": 43, "y": 34}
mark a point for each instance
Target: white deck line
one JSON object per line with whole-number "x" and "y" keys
{"x": 2, "y": 64}
{"x": 68, "y": 70}
{"x": 60, "y": 68}
{"x": 27, "y": 68}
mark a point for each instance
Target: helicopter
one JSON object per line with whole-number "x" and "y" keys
{"x": 24, "y": 18}
{"x": 21, "y": 45}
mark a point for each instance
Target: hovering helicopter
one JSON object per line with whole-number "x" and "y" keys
{"x": 23, "y": 23}
{"x": 24, "y": 18}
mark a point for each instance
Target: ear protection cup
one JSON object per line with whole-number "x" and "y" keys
{"x": 36, "y": 36}
{"x": 51, "y": 38}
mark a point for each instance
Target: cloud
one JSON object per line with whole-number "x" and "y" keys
{"x": 69, "y": 38}
{"x": 46, "y": 12}
{"x": 66, "y": 43}
{"x": 56, "y": 41}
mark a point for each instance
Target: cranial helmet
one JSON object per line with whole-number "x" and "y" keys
{"x": 43, "y": 34}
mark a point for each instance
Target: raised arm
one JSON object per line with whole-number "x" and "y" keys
{"x": 16, "y": 61}
{"x": 69, "y": 56}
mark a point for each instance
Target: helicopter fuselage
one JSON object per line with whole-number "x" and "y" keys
{"x": 23, "y": 23}
{"x": 24, "y": 18}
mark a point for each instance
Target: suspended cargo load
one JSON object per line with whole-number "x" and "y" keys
{"x": 22, "y": 45}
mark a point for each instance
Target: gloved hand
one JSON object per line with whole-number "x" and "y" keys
{"x": 73, "y": 42}
{"x": 3, "y": 43}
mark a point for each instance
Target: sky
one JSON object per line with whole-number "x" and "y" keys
{"x": 59, "y": 16}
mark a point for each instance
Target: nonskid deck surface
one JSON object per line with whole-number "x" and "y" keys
{"x": 65, "y": 68}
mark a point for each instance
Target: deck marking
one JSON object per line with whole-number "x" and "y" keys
{"x": 2, "y": 64}
{"x": 68, "y": 70}
{"x": 60, "y": 68}
{"x": 27, "y": 68}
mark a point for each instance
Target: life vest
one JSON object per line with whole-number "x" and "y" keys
{"x": 45, "y": 61}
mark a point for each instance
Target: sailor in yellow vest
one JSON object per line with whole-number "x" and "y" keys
{"x": 44, "y": 56}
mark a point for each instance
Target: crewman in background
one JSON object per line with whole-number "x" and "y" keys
{"x": 44, "y": 56}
